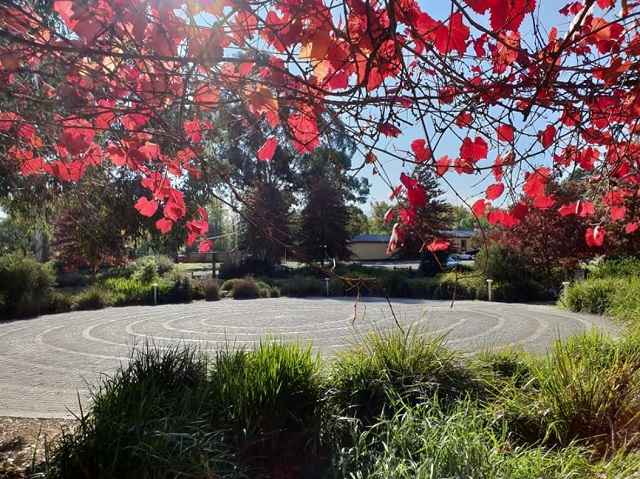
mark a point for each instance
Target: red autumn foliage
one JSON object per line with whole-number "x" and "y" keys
{"x": 131, "y": 84}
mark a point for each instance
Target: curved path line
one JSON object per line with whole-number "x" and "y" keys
{"x": 47, "y": 363}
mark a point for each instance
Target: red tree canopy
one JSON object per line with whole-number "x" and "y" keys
{"x": 130, "y": 84}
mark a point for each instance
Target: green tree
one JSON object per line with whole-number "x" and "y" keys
{"x": 358, "y": 222}
{"x": 377, "y": 224}
{"x": 323, "y": 229}
{"x": 265, "y": 231}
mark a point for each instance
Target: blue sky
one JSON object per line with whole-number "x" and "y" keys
{"x": 469, "y": 187}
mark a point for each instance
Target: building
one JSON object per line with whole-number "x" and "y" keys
{"x": 374, "y": 247}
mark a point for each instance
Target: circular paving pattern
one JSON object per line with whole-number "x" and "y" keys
{"x": 48, "y": 364}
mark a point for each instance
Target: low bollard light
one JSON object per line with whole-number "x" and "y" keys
{"x": 489, "y": 281}
{"x": 326, "y": 285}
{"x": 565, "y": 287}
{"x": 155, "y": 294}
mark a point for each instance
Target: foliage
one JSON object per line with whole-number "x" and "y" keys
{"x": 322, "y": 229}
{"x": 616, "y": 267}
{"x": 593, "y": 296}
{"x": 392, "y": 405}
{"x": 248, "y": 288}
{"x": 477, "y": 86}
{"x": 547, "y": 239}
{"x": 377, "y": 223}
{"x": 513, "y": 278}
{"x": 25, "y": 285}
{"x": 96, "y": 297}
{"x": 265, "y": 227}
{"x": 300, "y": 286}
{"x": 211, "y": 289}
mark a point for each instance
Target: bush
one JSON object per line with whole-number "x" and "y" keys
{"x": 96, "y": 297}
{"x": 299, "y": 286}
{"x": 245, "y": 289}
{"x": 59, "y": 303}
{"x": 410, "y": 365}
{"x": 395, "y": 283}
{"x": 175, "y": 288}
{"x": 150, "y": 419}
{"x": 25, "y": 286}
{"x": 211, "y": 289}
{"x": 145, "y": 270}
{"x": 594, "y": 296}
{"x": 617, "y": 267}
{"x": 247, "y": 267}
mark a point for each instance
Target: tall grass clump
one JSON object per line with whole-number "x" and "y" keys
{"x": 150, "y": 420}
{"x": 25, "y": 286}
{"x": 411, "y": 365}
{"x": 588, "y": 390}
{"x": 96, "y": 297}
{"x": 593, "y": 296}
{"x": 466, "y": 440}
{"x": 270, "y": 402}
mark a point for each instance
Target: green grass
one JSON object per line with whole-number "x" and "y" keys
{"x": 393, "y": 405}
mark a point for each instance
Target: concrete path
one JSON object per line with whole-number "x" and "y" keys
{"x": 48, "y": 363}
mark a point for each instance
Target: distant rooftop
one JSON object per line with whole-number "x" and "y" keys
{"x": 385, "y": 238}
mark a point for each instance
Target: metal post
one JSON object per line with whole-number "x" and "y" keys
{"x": 326, "y": 284}
{"x": 489, "y": 281}
{"x": 155, "y": 294}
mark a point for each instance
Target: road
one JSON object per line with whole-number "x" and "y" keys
{"x": 49, "y": 363}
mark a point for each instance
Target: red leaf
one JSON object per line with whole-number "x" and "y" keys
{"x": 452, "y": 37}
{"x": 505, "y": 133}
{"x": 389, "y": 214}
{"x": 595, "y": 236}
{"x": 580, "y": 208}
{"x": 146, "y": 207}
{"x": 305, "y": 132}
{"x": 535, "y": 181}
{"x": 164, "y": 225}
{"x": 442, "y": 165}
{"x": 420, "y": 150}
{"x": 519, "y": 211}
{"x": 618, "y": 212}
{"x": 193, "y": 129}
{"x": 479, "y": 208}
{"x": 268, "y": 149}
{"x": 205, "y": 245}
{"x": 474, "y": 150}
{"x": 604, "y": 4}
{"x": 631, "y": 227}
{"x": 417, "y": 196}
{"x": 494, "y": 191}
{"x": 504, "y": 14}
{"x": 389, "y": 130}
{"x": 544, "y": 202}
{"x": 438, "y": 244}
{"x": 397, "y": 237}
{"x": 547, "y": 136}
{"x": 407, "y": 181}
{"x": 463, "y": 119}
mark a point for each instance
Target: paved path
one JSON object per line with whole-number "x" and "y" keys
{"x": 47, "y": 363}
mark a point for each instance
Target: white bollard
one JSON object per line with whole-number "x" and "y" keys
{"x": 565, "y": 287}
{"x": 489, "y": 281}
{"x": 155, "y": 294}
{"x": 326, "y": 285}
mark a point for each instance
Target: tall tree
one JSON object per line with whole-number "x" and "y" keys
{"x": 323, "y": 229}
{"x": 422, "y": 210}
{"x": 265, "y": 231}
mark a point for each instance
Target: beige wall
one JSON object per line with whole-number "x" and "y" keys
{"x": 369, "y": 251}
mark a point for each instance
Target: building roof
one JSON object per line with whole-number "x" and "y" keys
{"x": 385, "y": 238}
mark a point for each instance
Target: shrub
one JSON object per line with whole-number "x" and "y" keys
{"x": 593, "y": 296}
{"x": 270, "y": 398}
{"x": 164, "y": 263}
{"x": 175, "y": 288}
{"x": 152, "y": 418}
{"x": 395, "y": 283}
{"x": 411, "y": 365}
{"x": 130, "y": 291}
{"x": 245, "y": 289}
{"x": 246, "y": 267}
{"x": 299, "y": 286}
{"x": 145, "y": 270}
{"x": 96, "y": 297}
{"x": 25, "y": 286}
{"x": 60, "y": 302}
{"x": 211, "y": 289}
{"x": 617, "y": 267}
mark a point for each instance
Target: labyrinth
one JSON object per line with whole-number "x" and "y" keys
{"x": 49, "y": 364}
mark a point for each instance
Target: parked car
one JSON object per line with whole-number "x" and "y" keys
{"x": 464, "y": 257}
